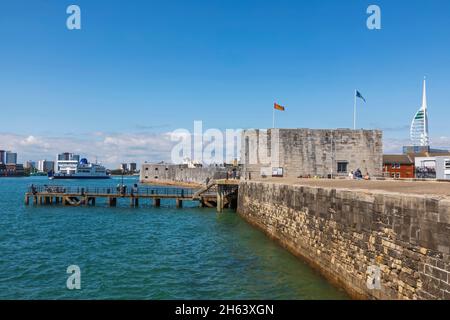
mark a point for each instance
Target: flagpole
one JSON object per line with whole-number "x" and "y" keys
{"x": 354, "y": 112}
{"x": 273, "y": 117}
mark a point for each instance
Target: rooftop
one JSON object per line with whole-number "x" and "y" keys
{"x": 398, "y": 158}
{"x": 410, "y": 157}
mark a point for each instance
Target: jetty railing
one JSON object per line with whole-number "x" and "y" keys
{"x": 218, "y": 194}
{"x": 119, "y": 191}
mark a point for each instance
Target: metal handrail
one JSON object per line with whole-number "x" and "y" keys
{"x": 132, "y": 191}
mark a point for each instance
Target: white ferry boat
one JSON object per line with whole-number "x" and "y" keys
{"x": 71, "y": 169}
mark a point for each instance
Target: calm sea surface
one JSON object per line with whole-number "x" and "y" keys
{"x": 145, "y": 253}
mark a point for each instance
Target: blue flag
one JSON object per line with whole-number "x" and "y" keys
{"x": 359, "y": 95}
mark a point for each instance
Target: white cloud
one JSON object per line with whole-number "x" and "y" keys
{"x": 441, "y": 142}
{"x": 33, "y": 141}
{"x": 109, "y": 148}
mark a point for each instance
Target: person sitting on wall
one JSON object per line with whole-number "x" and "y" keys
{"x": 351, "y": 175}
{"x": 358, "y": 174}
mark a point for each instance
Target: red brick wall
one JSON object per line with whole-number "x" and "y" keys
{"x": 405, "y": 170}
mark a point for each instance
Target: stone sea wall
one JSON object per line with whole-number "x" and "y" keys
{"x": 162, "y": 173}
{"x": 350, "y": 236}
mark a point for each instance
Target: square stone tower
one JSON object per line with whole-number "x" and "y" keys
{"x": 311, "y": 152}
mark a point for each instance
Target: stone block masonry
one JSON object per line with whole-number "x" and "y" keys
{"x": 180, "y": 174}
{"x": 311, "y": 152}
{"x": 346, "y": 233}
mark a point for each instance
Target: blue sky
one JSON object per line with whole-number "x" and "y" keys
{"x": 144, "y": 68}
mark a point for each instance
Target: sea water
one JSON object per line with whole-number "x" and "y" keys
{"x": 142, "y": 253}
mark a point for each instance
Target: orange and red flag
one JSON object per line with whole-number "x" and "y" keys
{"x": 278, "y": 107}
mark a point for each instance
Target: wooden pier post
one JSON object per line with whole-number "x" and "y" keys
{"x": 134, "y": 202}
{"x": 219, "y": 200}
{"x": 112, "y": 202}
{"x": 35, "y": 200}
{"x": 27, "y": 200}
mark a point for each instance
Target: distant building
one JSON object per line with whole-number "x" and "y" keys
{"x": 11, "y": 170}
{"x": 180, "y": 173}
{"x": 17, "y": 169}
{"x": 10, "y": 157}
{"x": 421, "y": 165}
{"x": 67, "y": 156}
{"x": 433, "y": 167}
{"x": 133, "y": 167}
{"x": 415, "y": 149}
{"x": 68, "y": 161}
{"x": 30, "y": 164}
{"x": 419, "y": 126}
{"x": 310, "y": 152}
{"x": 422, "y": 150}
{"x": 46, "y": 166}
{"x": 9, "y": 166}
{"x": 398, "y": 166}
{"x": 20, "y": 170}
{"x": 123, "y": 167}
{"x": 192, "y": 164}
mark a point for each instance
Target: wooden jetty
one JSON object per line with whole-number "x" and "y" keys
{"x": 218, "y": 193}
